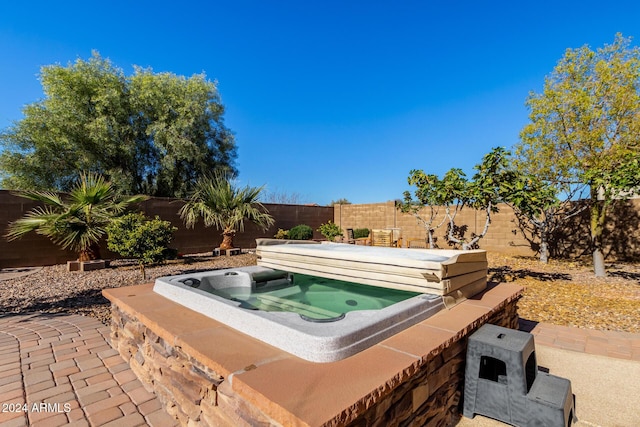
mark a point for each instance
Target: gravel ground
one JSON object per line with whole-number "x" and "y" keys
{"x": 567, "y": 293}
{"x": 561, "y": 292}
{"x": 53, "y": 289}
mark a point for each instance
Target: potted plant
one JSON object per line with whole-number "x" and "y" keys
{"x": 330, "y": 230}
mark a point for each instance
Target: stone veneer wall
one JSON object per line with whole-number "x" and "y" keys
{"x": 432, "y": 397}
{"x": 187, "y": 388}
{"x": 194, "y": 394}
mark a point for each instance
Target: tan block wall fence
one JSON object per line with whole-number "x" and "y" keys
{"x": 622, "y": 235}
{"x": 503, "y": 234}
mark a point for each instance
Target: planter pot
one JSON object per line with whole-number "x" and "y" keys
{"x": 97, "y": 264}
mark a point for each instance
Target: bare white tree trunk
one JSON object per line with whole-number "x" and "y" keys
{"x": 544, "y": 251}
{"x": 469, "y": 245}
{"x": 598, "y": 216}
{"x": 452, "y": 225}
{"x": 427, "y": 224}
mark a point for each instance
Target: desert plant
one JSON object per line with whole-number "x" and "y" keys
{"x": 76, "y": 222}
{"x": 301, "y": 232}
{"x": 137, "y": 236}
{"x": 360, "y": 233}
{"x": 282, "y": 234}
{"x": 222, "y": 204}
{"x": 330, "y": 230}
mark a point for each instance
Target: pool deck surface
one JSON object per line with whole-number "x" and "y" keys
{"x": 66, "y": 361}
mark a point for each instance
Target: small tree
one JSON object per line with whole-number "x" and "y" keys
{"x": 330, "y": 230}
{"x": 539, "y": 208}
{"x": 429, "y": 195}
{"x": 449, "y": 192}
{"x": 136, "y": 236}
{"x": 453, "y": 192}
{"x": 487, "y": 187}
{"x": 301, "y": 232}
{"x": 223, "y": 205}
{"x": 78, "y": 221}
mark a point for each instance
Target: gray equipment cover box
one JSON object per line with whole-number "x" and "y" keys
{"x": 502, "y": 381}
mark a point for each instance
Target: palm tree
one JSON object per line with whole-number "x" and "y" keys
{"x": 76, "y": 222}
{"x": 221, "y": 204}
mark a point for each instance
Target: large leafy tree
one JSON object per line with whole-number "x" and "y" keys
{"x": 585, "y": 129}
{"x": 76, "y": 221}
{"x": 147, "y": 133}
{"x": 225, "y": 206}
{"x": 184, "y": 132}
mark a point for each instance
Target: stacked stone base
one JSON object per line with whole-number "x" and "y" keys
{"x": 432, "y": 397}
{"x": 196, "y": 395}
{"x": 187, "y": 388}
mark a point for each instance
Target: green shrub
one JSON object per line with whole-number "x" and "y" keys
{"x": 301, "y": 232}
{"x": 359, "y": 233}
{"x": 137, "y": 236}
{"x": 330, "y": 230}
{"x": 282, "y": 234}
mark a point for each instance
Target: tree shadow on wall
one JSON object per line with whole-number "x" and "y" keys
{"x": 620, "y": 237}
{"x": 622, "y": 232}
{"x": 526, "y": 231}
{"x": 572, "y": 239}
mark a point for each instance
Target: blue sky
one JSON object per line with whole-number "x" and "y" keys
{"x": 330, "y": 99}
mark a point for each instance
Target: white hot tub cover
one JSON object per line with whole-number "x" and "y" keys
{"x": 436, "y": 271}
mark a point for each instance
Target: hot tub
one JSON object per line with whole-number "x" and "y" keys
{"x": 317, "y": 319}
{"x": 434, "y": 271}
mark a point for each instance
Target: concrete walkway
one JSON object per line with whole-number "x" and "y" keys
{"x": 620, "y": 345}
{"x": 60, "y": 370}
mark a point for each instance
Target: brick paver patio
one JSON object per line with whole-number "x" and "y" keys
{"x": 60, "y": 370}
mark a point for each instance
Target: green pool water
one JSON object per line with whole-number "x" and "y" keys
{"x": 317, "y": 298}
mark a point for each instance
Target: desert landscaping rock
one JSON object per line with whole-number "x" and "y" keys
{"x": 53, "y": 289}
{"x": 562, "y": 292}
